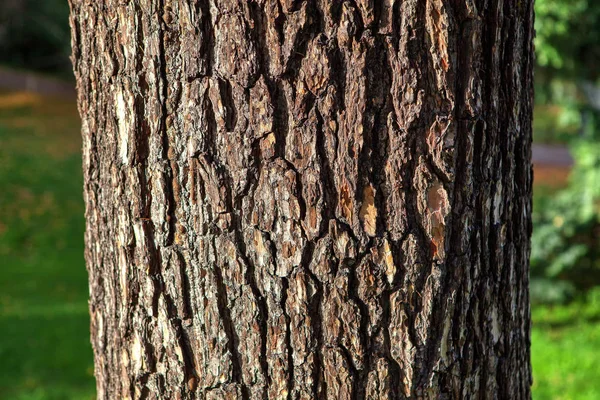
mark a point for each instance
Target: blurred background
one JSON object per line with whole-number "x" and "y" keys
{"x": 44, "y": 335}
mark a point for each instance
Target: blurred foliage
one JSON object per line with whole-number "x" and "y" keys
{"x": 35, "y": 35}
{"x": 565, "y": 253}
{"x": 565, "y": 257}
{"x": 567, "y": 47}
{"x": 555, "y": 124}
{"x": 567, "y": 35}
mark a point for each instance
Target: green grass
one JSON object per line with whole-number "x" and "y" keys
{"x": 44, "y": 326}
{"x": 565, "y": 348}
{"x": 44, "y": 336}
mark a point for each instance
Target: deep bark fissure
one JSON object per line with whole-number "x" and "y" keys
{"x": 314, "y": 311}
{"x": 262, "y": 304}
{"x": 228, "y": 325}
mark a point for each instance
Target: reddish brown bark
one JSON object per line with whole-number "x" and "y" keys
{"x": 307, "y": 199}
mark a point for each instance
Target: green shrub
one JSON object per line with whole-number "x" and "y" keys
{"x": 565, "y": 253}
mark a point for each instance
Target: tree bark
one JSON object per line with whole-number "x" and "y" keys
{"x": 310, "y": 199}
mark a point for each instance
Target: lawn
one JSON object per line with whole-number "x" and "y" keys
{"x": 565, "y": 348}
{"x": 44, "y": 339}
{"x": 44, "y": 336}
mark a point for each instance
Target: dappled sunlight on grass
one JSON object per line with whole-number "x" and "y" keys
{"x": 42, "y": 124}
{"x": 11, "y": 100}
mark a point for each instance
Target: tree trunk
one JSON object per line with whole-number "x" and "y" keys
{"x": 310, "y": 199}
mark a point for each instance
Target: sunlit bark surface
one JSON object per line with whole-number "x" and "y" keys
{"x": 310, "y": 199}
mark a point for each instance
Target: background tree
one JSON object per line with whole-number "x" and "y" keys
{"x": 35, "y": 35}
{"x": 307, "y": 199}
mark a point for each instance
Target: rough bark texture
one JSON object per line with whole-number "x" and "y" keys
{"x": 310, "y": 199}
